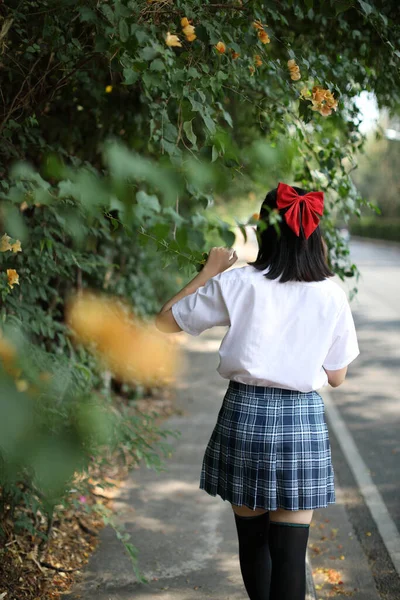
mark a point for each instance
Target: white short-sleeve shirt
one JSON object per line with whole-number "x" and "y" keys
{"x": 280, "y": 334}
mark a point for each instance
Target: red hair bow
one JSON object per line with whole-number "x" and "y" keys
{"x": 313, "y": 208}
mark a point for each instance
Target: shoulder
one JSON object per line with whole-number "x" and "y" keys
{"x": 235, "y": 274}
{"x": 335, "y": 294}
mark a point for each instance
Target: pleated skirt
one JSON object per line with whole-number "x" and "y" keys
{"x": 270, "y": 449}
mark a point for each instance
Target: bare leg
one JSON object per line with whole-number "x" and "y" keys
{"x": 291, "y": 516}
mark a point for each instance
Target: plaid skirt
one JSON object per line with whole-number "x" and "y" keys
{"x": 270, "y": 449}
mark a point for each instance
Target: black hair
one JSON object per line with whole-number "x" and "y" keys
{"x": 288, "y": 256}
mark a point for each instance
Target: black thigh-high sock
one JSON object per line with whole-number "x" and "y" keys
{"x": 255, "y": 560}
{"x": 288, "y": 544}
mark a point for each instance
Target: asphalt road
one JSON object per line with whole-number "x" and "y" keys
{"x": 368, "y": 402}
{"x": 187, "y": 540}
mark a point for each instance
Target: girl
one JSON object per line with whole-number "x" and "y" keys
{"x": 290, "y": 333}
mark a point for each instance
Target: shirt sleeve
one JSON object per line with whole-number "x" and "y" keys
{"x": 344, "y": 348}
{"x": 203, "y": 309}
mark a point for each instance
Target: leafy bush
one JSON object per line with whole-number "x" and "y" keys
{"x": 378, "y": 228}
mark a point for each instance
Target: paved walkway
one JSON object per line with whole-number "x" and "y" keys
{"x": 187, "y": 539}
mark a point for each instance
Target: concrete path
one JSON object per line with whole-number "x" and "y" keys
{"x": 186, "y": 538}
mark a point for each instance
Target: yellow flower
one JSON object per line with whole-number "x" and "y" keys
{"x": 184, "y": 22}
{"x": 13, "y": 277}
{"x": 294, "y": 70}
{"x": 318, "y": 93}
{"x": 329, "y": 99}
{"x": 325, "y": 111}
{"x": 258, "y": 25}
{"x": 189, "y": 33}
{"x": 263, "y": 37}
{"x": 133, "y": 350}
{"x": 323, "y": 101}
{"x": 257, "y": 60}
{"x": 172, "y": 40}
{"x": 8, "y": 355}
{"x": 16, "y": 247}
{"x": 221, "y": 47}
{"x": 188, "y": 30}
{"x": 235, "y": 55}
{"x": 44, "y": 376}
{"x": 108, "y": 89}
{"x": 23, "y": 206}
{"x": 21, "y": 385}
{"x": 252, "y": 69}
{"x": 7, "y": 351}
{"x": 5, "y": 243}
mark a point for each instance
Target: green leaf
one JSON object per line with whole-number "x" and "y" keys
{"x": 108, "y": 13}
{"x": 196, "y": 239}
{"x": 343, "y": 5}
{"x": 160, "y": 230}
{"x": 192, "y": 72}
{"x": 214, "y": 154}
{"x": 157, "y": 65}
{"x": 148, "y": 53}
{"x": 188, "y": 129}
{"x": 87, "y": 14}
{"x": 367, "y": 8}
{"x": 210, "y": 124}
{"x": 196, "y": 106}
{"x": 176, "y": 217}
{"x": 131, "y": 76}
{"x": 123, "y": 30}
{"x": 151, "y": 203}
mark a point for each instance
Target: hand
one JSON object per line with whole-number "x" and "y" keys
{"x": 219, "y": 259}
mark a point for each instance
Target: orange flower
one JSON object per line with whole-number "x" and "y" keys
{"x": 7, "y": 351}
{"x": 324, "y": 110}
{"x": 220, "y": 47}
{"x": 323, "y": 101}
{"x": 5, "y": 243}
{"x": 188, "y": 29}
{"x": 21, "y": 385}
{"x": 252, "y": 69}
{"x": 257, "y": 60}
{"x": 235, "y": 55}
{"x": 16, "y": 247}
{"x": 172, "y": 40}
{"x": 189, "y": 33}
{"x": 8, "y": 356}
{"x": 258, "y": 25}
{"x": 133, "y": 350}
{"x": 13, "y": 277}
{"x": 255, "y": 216}
{"x": 318, "y": 93}
{"x": 294, "y": 70}
{"x": 263, "y": 37}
